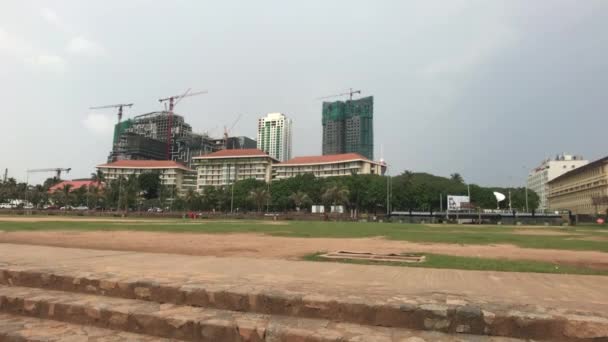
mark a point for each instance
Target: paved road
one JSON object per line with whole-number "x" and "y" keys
{"x": 588, "y": 293}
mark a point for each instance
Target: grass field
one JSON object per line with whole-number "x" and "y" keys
{"x": 473, "y": 263}
{"x": 581, "y": 238}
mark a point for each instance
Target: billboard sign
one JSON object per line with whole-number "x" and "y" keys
{"x": 458, "y": 202}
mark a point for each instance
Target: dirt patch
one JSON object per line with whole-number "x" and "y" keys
{"x": 263, "y": 246}
{"x": 591, "y": 238}
{"x": 75, "y": 219}
{"x": 541, "y": 232}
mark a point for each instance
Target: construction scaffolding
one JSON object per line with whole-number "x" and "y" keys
{"x": 145, "y": 137}
{"x": 348, "y": 127}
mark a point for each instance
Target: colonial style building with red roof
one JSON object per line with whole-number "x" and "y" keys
{"x": 332, "y": 165}
{"x": 74, "y": 185}
{"x": 224, "y": 167}
{"x": 227, "y": 166}
{"x": 172, "y": 174}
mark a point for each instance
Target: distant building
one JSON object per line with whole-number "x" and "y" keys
{"x": 583, "y": 190}
{"x": 548, "y": 170}
{"x": 74, "y": 185}
{"x": 228, "y": 166}
{"x": 328, "y": 166}
{"x": 348, "y": 126}
{"x": 144, "y": 137}
{"x": 172, "y": 174}
{"x": 274, "y": 136}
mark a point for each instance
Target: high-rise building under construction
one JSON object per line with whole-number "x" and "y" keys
{"x": 144, "y": 137}
{"x": 348, "y": 126}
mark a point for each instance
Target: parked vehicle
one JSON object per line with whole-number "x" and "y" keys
{"x": 6, "y": 206}
{"x": 67, "y": 207}
{"x": 81, "y": 207}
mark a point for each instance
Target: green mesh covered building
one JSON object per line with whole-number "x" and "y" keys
{"x": 348, "y": 126}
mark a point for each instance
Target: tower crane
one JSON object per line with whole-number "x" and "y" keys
{"x": 227, "y": 131}
{"x": 351, "y": 92}
{"x": 173, "y": 101}
{"x": 119, "y": 106}
{"x": 57, "y": 170}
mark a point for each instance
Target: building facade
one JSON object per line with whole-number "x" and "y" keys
{"x": 583, "y": 190}
{"x": 328, "y": 166}
{"x": 274, "y": 136}
{"x": 548, "y": 170}
{"x": 228, "y": 166}
{"x": 172, "y": 174}
{"x": 348, "y": 127}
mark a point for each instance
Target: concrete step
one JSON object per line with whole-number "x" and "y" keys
{"x": 431, "y": 313}
{"x": 26, "y": 329}
{"x": 198, "y": 324}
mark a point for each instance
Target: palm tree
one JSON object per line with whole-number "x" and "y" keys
{"x": 457, "y": 177}
{"x": 66, "y": 193}
{"x": 299, "y": 198}
{"x": 190, "y": 198}
{"x": 259, "y": 196}
{"x": 98, "y": 177}
{"x": 336, "y": 195}
{"x": 130, "y": 191}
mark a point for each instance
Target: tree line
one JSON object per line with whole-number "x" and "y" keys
{"x": 364, "y": 193}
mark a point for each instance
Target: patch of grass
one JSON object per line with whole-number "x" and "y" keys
{"x": 471, "y": 263}
{"x": 450, "y": 234}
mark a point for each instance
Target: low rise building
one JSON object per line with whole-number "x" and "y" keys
{"x": 227, "y": 166}
{"x": 583, "y": 190}
{"x": 172, "y": 174}
{"x": 548, "y": 170}
{"x": 74, "y": 185}
{"x": 345, "y": 164}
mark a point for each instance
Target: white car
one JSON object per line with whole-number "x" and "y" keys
{"x": 82, "y": 207}
{"x": 6, "y": 206}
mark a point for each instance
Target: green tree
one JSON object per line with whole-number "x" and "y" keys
{"x": 456, "y": 177}
{"x": 336, "y": 195}
{"x": 150, "y": 183}
{"x": 299, "y": 199}
{"x": 98, "y": 176}
{"x": 79, "y": 196}
{"x": 66, "y": 192}
{"x": 259, "y": 196}
{"x": 190, "y": 199}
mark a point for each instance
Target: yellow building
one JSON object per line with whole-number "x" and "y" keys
{"x": 172, "y": 174}
{"x": 227, "y": 166}
{"x": 583, "y": 190}
{"x": 332, "y": 165}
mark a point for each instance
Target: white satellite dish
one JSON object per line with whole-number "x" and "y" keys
{"x": 499, "y": 197}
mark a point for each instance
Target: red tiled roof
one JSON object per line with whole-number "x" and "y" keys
{"x": 146, "y": 164}
{"x": 330, "y": 158}
{"x": 75, "y": 185}
{"x": 246, "y": 152}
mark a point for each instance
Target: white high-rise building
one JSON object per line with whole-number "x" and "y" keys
{"x": 547, "y": 171}
{"x": 274, "y": 136}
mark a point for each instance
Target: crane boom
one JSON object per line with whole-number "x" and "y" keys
{"x": 226, "y": 130}
{"x": 351, "y": 92}
{"x": 58, "y": 170}
{"x": 119, "y": 106}
{"x": 173, "y": 101}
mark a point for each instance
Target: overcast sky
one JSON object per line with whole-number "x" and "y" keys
{"x": 484, "y": 88}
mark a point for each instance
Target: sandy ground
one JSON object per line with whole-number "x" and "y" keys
{"x": 262, "y": 246}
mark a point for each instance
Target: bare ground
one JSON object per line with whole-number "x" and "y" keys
{"x": 263, "y": 246}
